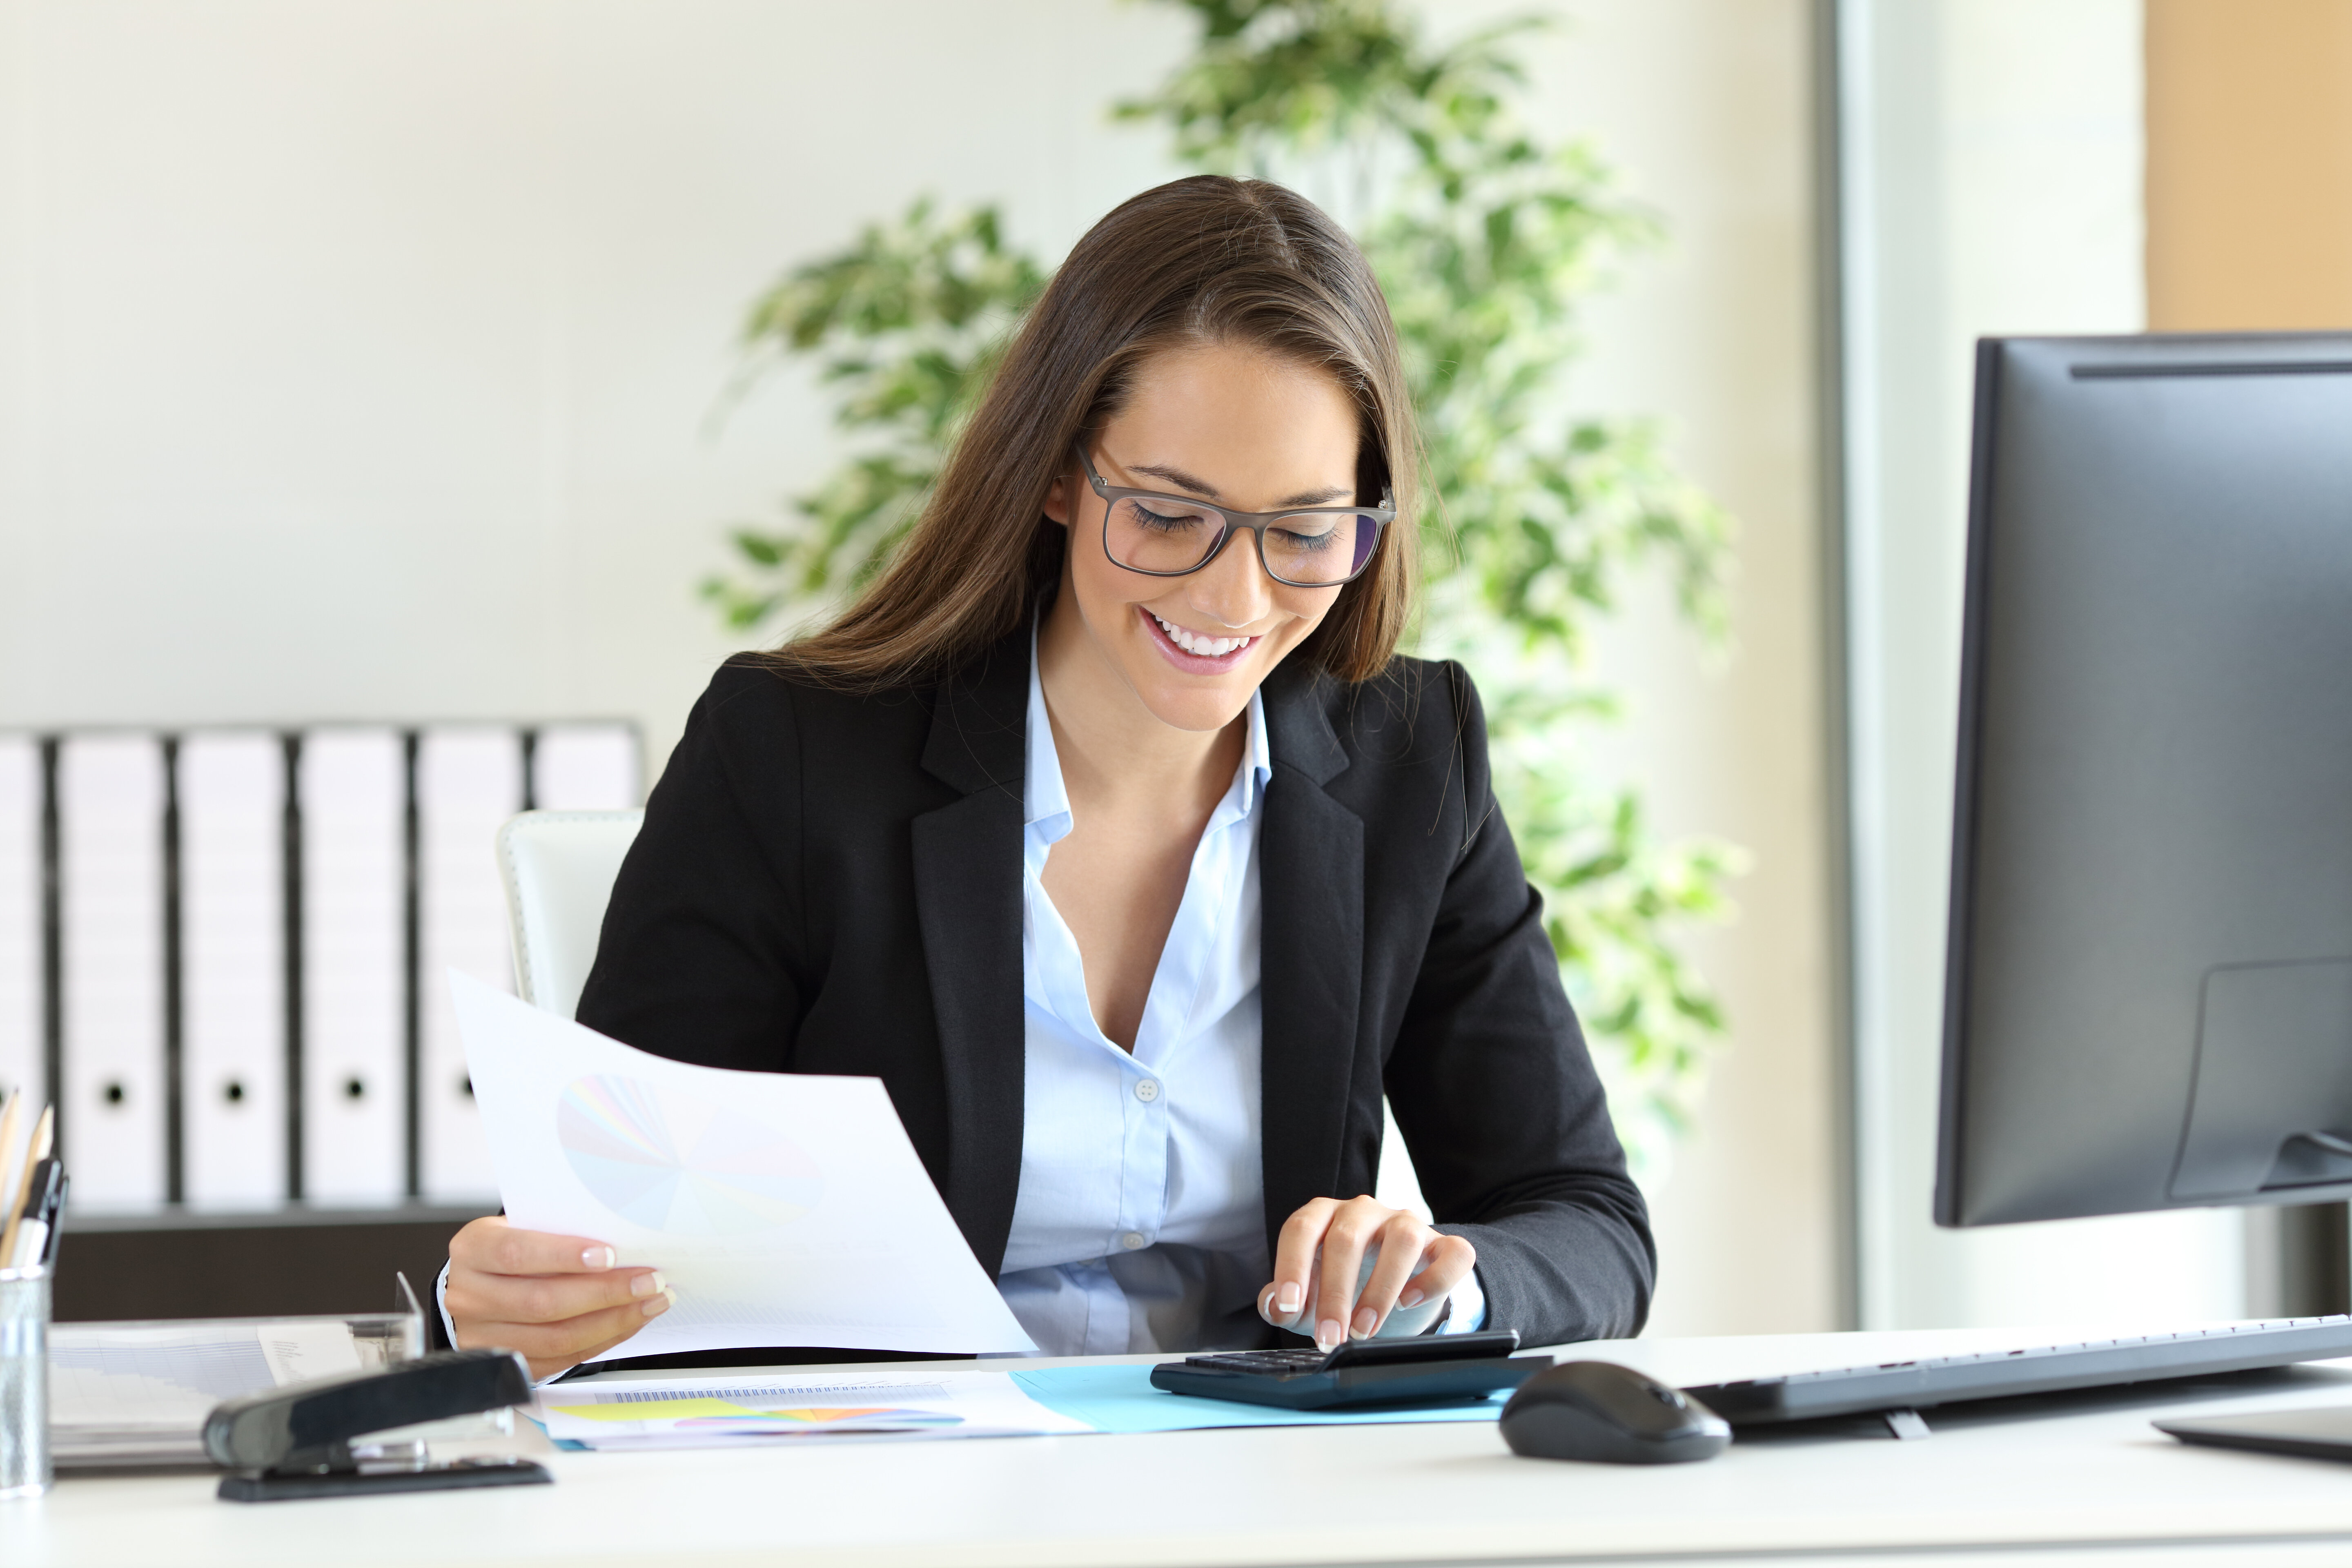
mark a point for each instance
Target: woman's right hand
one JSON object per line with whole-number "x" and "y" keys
{"x": 557, "y": 1298}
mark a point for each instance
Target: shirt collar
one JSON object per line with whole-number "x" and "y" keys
{"x": 1046, "y": 804}
{"x": 1257, "y": 756}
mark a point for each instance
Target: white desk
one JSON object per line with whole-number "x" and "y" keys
{"x": 2049, "y": 1489}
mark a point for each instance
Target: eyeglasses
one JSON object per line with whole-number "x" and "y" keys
{"x": 1171, "y": 536}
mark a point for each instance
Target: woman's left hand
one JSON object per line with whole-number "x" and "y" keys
{"x": 1321, "y": 1255}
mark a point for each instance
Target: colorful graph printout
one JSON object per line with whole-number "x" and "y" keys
{"x": 671, "y": 1161}
{"x": 689, "y": 1418}
{"x": 762, "y": 1409}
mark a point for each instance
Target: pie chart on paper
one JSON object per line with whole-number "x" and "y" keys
{"x": 674, "y": 1162}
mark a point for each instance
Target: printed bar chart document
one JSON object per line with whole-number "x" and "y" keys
{"x": 784, "y": 1209}
{"x": 734, "y": 1409}
{"x": 232, "y": 921}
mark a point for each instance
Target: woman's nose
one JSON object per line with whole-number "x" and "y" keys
{"x": 1233, "y": 589}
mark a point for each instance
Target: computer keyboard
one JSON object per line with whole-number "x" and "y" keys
{"x": 2045, "y": 1368}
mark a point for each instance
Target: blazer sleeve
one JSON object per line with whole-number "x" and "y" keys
{"x": 697, "y": 961}
{"x": 1498, "y": 1102}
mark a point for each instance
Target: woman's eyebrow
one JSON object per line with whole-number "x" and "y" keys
{"x": 1318, "y": 497}
{"x": 1184, "y": 481}
{"x": 1178, "y": 478}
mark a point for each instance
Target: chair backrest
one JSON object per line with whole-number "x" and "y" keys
{"x": 559, "y": 867}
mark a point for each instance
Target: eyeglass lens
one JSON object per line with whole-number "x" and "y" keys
{"x": 1165, "y": 535}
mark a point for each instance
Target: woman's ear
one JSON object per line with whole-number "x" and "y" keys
{"x": 1058, "y": 498}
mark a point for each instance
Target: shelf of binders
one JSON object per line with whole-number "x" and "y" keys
{"x": 218, "y": 951}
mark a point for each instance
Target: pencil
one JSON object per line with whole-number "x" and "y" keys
{"x": 10, "y": 1113}
{"x": 36, "y": 1150}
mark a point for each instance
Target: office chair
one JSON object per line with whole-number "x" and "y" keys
{"x": 558, "y": 867}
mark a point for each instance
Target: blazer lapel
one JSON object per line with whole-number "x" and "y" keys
{"x": 1311, "y": 861}
{"x": 968, "y": 902}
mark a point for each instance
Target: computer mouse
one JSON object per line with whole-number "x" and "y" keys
{"x": 1598, "y": 1410}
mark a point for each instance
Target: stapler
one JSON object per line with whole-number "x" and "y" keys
{"x": 296, "y": 1442}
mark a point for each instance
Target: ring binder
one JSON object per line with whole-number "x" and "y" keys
{"x": 211, "y": 944}
{"x": 469, "y": 781}
{"x": 111, "y": 1115}
{"x": 20, "y": 916}
{"x": 231, "y": 789}
{"x": 351, "y": 795}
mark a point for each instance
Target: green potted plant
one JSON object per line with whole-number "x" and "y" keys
{"x": 1486, "y": 240}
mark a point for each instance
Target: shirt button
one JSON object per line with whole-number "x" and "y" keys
{"x": 1132, "y": 1240}
{"x": 1146, "y": 1090}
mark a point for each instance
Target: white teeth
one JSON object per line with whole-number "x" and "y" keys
{"x": 1193, "y": 642}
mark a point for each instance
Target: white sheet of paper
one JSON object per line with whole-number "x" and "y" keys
{"x": 167, "y": 1377}
{"x": 784, "y": 1209}
{"x": 299, "y": 1351}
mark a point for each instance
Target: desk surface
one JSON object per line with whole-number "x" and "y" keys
{"x": 2051, "y": 1478}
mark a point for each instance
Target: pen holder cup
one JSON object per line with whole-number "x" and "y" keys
{"x": 24, "y": 1381}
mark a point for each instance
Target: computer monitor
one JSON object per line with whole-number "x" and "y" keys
{"x": 2148, "y": 1001}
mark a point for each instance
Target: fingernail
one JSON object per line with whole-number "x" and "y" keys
{"x": 1412, "y": 1297}
{"x": 1328, "y": 1334}
{"x": 1285, "y": 1300}
{"x": 661, "y": 1303}
{"x": 1365, "y": 1318}
{"x": 646, "y": 1284}
{"x": 597, "y": 1257}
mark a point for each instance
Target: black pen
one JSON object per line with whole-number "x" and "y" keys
{"x": 45, "y": 1197}
{"x": 57, "y": 1219}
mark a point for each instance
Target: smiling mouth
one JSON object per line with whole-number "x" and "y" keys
{"x": 1196, "y": 645}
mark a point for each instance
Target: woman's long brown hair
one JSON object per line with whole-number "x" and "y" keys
{"x": 1202, "y": 260}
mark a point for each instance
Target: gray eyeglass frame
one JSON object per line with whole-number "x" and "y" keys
{"x": 1255, "y": 522}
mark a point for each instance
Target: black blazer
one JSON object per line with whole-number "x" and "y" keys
{"x": 830, "y": 883}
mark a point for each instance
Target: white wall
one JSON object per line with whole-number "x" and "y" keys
{"x": 1704, "y": 107}
{"x": 359, "y": 361}
{"x": 1993, "y": 185}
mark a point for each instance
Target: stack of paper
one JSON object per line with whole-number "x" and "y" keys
{"x": 137, "y": 1393}
{"x": 754, "y": 1409}
{"x": 724, "y": 1409}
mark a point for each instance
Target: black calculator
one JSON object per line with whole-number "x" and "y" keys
{"x": 1427, "y": 1369}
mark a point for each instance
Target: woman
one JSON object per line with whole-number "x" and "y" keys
{"x": 1107, "y": 830}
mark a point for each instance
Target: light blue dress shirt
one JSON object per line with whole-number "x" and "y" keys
{"x": 1140, "y": 1222}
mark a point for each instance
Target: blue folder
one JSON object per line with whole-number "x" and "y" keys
{"x": 1122, "y": 1399}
